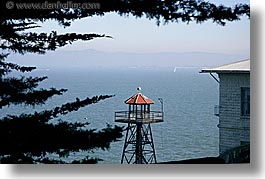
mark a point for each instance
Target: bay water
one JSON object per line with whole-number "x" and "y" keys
{"x": 189, "y": 129}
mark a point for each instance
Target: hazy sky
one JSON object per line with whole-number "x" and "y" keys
{"x": 144, "y": 36}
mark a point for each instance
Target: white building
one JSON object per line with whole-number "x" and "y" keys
{"x": 234, "y": 104}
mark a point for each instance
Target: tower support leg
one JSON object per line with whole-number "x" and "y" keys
{"x": 139, "y": 145}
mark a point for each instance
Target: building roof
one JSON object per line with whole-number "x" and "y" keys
{"x": 139, "y": 98}
{"x": 236, "y": 67}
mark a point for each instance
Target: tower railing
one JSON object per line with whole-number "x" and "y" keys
{"x": 139, "y": 116}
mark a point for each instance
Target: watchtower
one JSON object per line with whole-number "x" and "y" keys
{"x": 139, "y": 146}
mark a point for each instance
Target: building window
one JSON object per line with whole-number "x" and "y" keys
{"x": 245, "y": 101}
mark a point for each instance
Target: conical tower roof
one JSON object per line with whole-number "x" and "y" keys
{"x": 139, "y": 98}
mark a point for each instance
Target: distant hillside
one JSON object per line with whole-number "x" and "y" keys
{"x": 97, "y": 59}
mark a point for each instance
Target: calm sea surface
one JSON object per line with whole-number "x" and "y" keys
{"x": 189, "y": 129}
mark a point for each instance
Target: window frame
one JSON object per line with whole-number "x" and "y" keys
{"x": 245, "y": 101}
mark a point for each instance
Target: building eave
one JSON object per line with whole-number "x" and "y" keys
{"x": 226, "y": 71}
{"x": 236, "y": 67}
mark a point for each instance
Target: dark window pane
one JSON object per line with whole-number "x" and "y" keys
{"x": 245, "y": 101}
